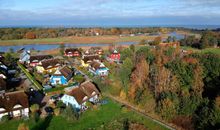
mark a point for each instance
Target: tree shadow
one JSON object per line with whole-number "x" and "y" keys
{"x": 43, "y": 124}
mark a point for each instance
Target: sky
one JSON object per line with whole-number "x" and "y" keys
{"x": 109, "y": 12}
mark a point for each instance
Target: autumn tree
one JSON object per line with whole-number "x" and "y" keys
{"x": 157, "y": 41}
{"x": 138, "y": 79}
{"x": 30, "y": 35}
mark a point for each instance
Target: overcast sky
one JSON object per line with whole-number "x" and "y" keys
{"x": 109, "y": 12}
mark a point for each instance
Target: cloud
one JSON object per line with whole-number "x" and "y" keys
{"x": 128, "y": 11}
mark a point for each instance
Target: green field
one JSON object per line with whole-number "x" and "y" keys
{"x": 84, "y": 39}
{"x": 212, "y": 50}
{"x": 206, "y": 50}
{"x": 109, "y": 116}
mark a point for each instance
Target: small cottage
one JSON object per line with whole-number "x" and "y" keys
{"x": 115, "y": 56}
{"x": 14, "y": 104}
{"x": 48, "y": 66}
{"x": 24, "y": 57}
{"x": 72, "y": 52}
{"x": 61, "y": 76}
{"x": 78, "y": 96}
{"x": 98, "y": 68}
{"x": 96, "y": 50}
{"x": 36, "y": 60}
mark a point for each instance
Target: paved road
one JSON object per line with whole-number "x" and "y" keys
{"x": 140, "y": 112}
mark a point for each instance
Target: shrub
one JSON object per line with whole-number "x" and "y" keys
{"x": 57, "y": 111}
{"x": 5, "y": 118}
{"x": 34, "y": 108}
{"x": 23, "y": 126}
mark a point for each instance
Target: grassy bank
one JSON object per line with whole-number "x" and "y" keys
{"x": 109, "y": 116}
{"x": 74, "y": 39}
{"x": 30, "y": 77}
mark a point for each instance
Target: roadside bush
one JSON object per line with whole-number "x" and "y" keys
{"x": 23, "y": 126}
{"x": 34, "y": 108}
{"x": 60, "y": 104}
{"x": 5, "y": 118}
{"x": 57, "y": 111}
{"x": 70, "y": 113}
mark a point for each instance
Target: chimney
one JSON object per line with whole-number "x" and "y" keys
{"x": 7, "y": 97}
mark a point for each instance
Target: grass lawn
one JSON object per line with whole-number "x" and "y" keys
{"x": 108, "y": 116}
{"x": 212, "y": 50}
{"x": 30, "y": 77}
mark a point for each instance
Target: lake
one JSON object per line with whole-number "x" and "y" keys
{"x": 42, "y": 47}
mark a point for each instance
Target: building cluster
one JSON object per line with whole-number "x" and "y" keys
{"x": 57, "y": 72}
{"x": 12, "y": 103}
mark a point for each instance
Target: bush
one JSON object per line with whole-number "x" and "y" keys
{"x": 57, "y": 111}
{"x": 70, "y": 113}
{"x": 60, "y": 104}
{"x": 23, "y": 126}
{"x": 34, "y": 108}
{"x": 5, "y": 118}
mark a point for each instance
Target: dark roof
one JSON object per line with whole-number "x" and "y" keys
{"x": 91, "y": 58}
{"x": 95, "y": 49}
{"x": 51, "y": 63}
{"x": 9, "y": 100}
{"x": 78, "y": 94}
{"x": 95, "y": 65}
{"x": 39, "y": 58}
{"x": 72, "y": 50}
{"x": 66, "y": 72}
{"x": 2, "y": 84}
{"x": 86, "y": 89}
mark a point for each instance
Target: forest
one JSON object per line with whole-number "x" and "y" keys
{"x": 182, "y": 89}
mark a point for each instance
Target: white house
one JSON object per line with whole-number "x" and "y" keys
{"x": 98, "y": 68}
{"x": 78, "y": 96}
{"x": 14, "y": 104}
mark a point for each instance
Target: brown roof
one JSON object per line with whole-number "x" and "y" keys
{"x": 95, "y": 65}
{"x": 88, "y": 87}
{"x": 78, "y": 94}
{"x": 91, "y": 58}
{"x": 51, "y": 63}
{"x": 84, "y": 90}
{"x": 39, "y": 58}
{"x": 66, "y": 72}
{"x": 73, "y": 50}
{"x": 9, "y": 100}
{"x": 2, "y": 84}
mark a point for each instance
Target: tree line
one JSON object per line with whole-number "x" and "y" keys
{"x": 208, "y": 39}
{"x": 34, "y": 33}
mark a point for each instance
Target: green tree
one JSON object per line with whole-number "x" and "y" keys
{"x": 62, "y": 48}
{"x": 169, "y": 39}
{"x": 132, "y": 48}
{"x": 125, "y": 72}
{"x": 70, "y": 113}
{"x": 126, "y": 53}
